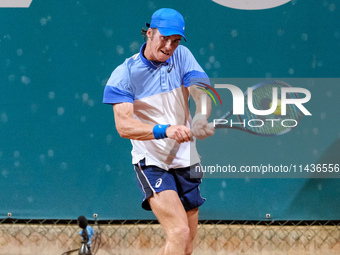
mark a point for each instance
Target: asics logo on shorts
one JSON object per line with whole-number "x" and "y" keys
{"x": 158, "y": 183}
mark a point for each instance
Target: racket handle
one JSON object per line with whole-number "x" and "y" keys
{"x": 211, "y": 125}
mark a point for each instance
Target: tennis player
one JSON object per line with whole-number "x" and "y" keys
{"x": 149, "y": 93}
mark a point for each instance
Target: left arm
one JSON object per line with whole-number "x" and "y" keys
{"x": 199, "y": 125}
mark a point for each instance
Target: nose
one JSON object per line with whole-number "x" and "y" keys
{"x": 168, "y": 45}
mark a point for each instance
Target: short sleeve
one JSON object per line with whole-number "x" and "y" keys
{"x": 117, "y": 89}
{"x": 191, "y": 69}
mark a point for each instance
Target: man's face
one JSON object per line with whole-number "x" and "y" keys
{"x": 160, "y": 48}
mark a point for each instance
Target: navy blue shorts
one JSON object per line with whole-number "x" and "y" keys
{"x": 152, "y": 179}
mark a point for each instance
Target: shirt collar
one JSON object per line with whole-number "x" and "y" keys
{"x": 147, "y": 62}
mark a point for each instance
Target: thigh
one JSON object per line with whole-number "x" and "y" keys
{"x": 168, "y": 209}
{"x": 153, "y": 180}
{"x": 187, "y": 188}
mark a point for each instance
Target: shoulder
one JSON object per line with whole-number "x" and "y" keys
{"x": 183, "y": 54}
{"x": 130, "y": 61}
{"x": 124, "y": 68}
{"x": 181, "y": 49}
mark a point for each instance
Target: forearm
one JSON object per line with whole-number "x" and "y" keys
{"x": 202, "y": 101}
{"x": 133, "y": 129}
{"x": 127, "y": 126}
{"x": 130, "y": 128}
{"x": 200, "y": 128}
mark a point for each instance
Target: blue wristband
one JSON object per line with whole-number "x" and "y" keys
{"x": 159, "y": 131}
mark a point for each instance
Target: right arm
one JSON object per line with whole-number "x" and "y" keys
{"x": 130, "y": 128}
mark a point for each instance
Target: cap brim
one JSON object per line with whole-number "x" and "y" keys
{"x": 171, "y": 31}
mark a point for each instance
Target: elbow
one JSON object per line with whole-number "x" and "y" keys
{"x": 124, "y": 135}
{"x": 123, "y": 132}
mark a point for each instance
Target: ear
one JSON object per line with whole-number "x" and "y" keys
{"x": 149, "y": 33}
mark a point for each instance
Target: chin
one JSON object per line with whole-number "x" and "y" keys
{"x": 162, "y": 57}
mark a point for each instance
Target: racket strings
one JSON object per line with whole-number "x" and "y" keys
{"x": 262, "y": 98}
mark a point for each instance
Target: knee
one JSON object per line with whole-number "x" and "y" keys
{"x": 182, "y": 236}
{"x": 180, "y": 233}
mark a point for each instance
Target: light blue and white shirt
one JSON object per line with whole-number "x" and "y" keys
{"x": 159, "y": 96}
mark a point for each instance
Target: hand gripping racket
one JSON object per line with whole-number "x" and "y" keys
{"x": 265, "y": 125}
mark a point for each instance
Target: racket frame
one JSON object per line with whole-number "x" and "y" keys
{"x": 242, "y": 128}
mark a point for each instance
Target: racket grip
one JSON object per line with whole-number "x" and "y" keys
{"x": 211, "y": 125}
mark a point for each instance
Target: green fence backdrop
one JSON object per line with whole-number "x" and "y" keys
{"x": 60, "y": 155}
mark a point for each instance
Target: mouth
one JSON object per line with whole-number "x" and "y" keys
{"x": 165, "y": 53}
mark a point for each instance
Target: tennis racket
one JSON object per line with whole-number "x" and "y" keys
{"x": 265, "y": 125}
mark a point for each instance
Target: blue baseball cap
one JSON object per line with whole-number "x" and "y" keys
{"x": 168, "y": 22}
